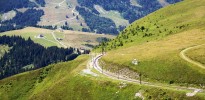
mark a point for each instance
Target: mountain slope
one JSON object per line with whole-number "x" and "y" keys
{"x": 156, "y": 42}
{"x": 95, "y": 16}
{"x": 68, "y": 81}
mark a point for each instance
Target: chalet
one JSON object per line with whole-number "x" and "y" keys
{"x": 135, "y": 62}
{"x": 60, "y": 29}
{"x": 40, "y": 36}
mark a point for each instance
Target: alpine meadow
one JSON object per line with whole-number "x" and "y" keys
{"x": 102, "y": 50}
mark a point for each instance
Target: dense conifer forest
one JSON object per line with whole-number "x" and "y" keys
{"x": 26, "y": 55}
{"x": 21, "y": 20}
{"x": 96, "y": 23}
{"x": 8, "y": 5}
{"x": 127, "y": 10}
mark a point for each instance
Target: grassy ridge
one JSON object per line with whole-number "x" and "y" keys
{"x": 157, "y": 40}
{"x": 66, "y": 81}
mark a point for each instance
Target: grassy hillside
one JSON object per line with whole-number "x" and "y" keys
{"x": 157, "y": 40}
{"x": 33, "y": 34}
{"x": 67, "y": 81}
{"x": 70, "y": 38}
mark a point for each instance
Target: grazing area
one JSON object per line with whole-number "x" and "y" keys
{"x": 83, "y": 40}
{"x": 44, "y": 37}
{"x": 159, "y": 60}
{"x": 156, "y": 42}
{"x": 160, "y": 56}
{"x": 66, "y": 81}
{"x": 47, "y": 40}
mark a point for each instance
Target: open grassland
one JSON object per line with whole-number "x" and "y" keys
{"x": 66, "y": 81}
{"x": 3, "y": 49}
{"x": 114, "y": 15}
{"x": 56, "y": 12}
{"x": 33, "y": 33}
{"x": 170, "y": 20}
{"x": 156, "y": 42}
{"x": 80, "y": 39}
{"x": 69, "y": 38}
{"x": 197, "y": 54}
{"x": 160, "y": 60}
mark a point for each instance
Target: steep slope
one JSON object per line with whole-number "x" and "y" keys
{"x": 88, "y": 16}
{"x": 68, "y": 81}
{"x": 156, "y": 42}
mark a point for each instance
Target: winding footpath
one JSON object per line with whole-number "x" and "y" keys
{"x": 67, "y": 19}
{"x": 60, "y": 4}
{"x": 95, "y": 63}
{"x": 58, "y": 40}
{"x": 183, "y": 56}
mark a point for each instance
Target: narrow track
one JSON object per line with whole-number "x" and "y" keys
{"x": 96, "y": 66}
{"x": 183, "y": 56}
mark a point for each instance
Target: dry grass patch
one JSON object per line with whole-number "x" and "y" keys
{"x": 174, "y": 43}
{"x": 79, "y": 39}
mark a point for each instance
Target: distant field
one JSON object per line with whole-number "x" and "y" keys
{"x": 79, "y": 39}
{"x": 33, "y": 33}
{"x": 56, "y": 12}
{"x": 69, "y": 38}
{"x": 114, "y": 15}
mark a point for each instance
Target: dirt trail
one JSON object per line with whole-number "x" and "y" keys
{"x": 58, "y": 40}
{"x": 62, "y": 21}
{"x": 183, "y": 56}
{"x": 111, "y": 75}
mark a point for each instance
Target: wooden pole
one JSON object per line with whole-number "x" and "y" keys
{"x": 140, "y": 78}
{"x": 102, "y": 68}
{"x": 118, "y": 72}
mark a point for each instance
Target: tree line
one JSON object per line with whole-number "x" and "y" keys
{"x": 21, "y": 20}
{"x": 25, "y": 52}
{"x": 96, "y": 23}
{"x": 8, "y": 5}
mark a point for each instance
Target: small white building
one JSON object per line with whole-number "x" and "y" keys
{"x": 59, "y": 39}
{"x": 60, "y": 29}
{"x": 135, "y": 62}
{"x": 40, "y": 36}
